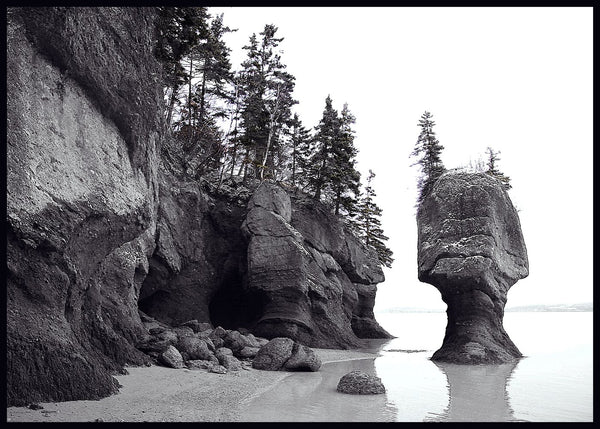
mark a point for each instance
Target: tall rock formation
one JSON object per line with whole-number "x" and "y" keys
{"x": 100, "y": 226}
{"x": 83, "y": 125}
{"x": 307, "y": 269}
{"x": 198, "y": 266}
{"x": 471, "y": 248}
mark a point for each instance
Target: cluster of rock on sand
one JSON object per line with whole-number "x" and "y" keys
{"x": 197, "y": 345}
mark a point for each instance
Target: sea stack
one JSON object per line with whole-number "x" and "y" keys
{"x": 313, "y": 279}
{"x": 471, "y": 248}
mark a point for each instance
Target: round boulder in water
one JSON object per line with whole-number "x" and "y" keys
{"x": 360, "y": 383}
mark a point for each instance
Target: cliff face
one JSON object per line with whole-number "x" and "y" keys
{"x": 98, "y": 229}
{"x": 81, "y": 196}
{"x": 471, "y": 248}
{"x": 307, "y": 269}
{"x": 277, "y": 265}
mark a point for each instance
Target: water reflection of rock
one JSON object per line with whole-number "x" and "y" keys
{"x": 313, "y": 397}
{"x": 476, "y": 393}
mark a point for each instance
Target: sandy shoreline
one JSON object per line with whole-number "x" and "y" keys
{"x": 160, "y": 394}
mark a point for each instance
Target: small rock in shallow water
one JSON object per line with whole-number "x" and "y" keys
{"x": 360, "y": 383}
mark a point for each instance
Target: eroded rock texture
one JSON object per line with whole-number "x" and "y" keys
{"x": 471, "y": 248}
{"x": 82, "y": 121}
{"x": 100, "y": 225}
{"x": 198, "y": 268}
{"x": 308, "y": 270}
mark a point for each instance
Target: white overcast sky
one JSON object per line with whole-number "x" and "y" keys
{"x": 516, "y": 79}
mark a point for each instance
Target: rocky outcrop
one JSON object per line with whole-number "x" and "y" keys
{"x": 198, "y": 267}
{"x": 83, "y": 126}
{"x": 285, "y": 354}
{"x": 307, "y": 268}
{"x": 114, "y": 257}
{"x": 360, "y": 383}
{"x": 471, "y": 248}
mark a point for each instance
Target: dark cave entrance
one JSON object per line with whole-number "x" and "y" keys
{"x": 153, "y": 303}
{"x": 234, "y": 306}
{"x": 175, "y": 298}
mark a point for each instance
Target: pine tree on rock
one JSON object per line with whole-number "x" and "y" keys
{"x": 369, "y": 224}
{"x": 492, "y": 169}
{"x": 428, "y": 150}
{"x": 266, "y": 94}
{"x": 210, "y": 73}
{"x": 333, "y": 176}
{"x": 326, "y": 133}
{"x": 214, "y": 67}
{"x": 301, "y": 147}
{"x": 179, "y": 30}
{"x": 345, "y": 181}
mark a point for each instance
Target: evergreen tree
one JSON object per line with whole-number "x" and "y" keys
{"x": 266, "y": 93}
{"x": 326, "y": 134}
{"x": 300, "y": 151}
{"x": 179, "y": 30}
{"x": 333, "y": 176}
{"x": 369, "y": 225}
{"x": 492, "y": 170}
{"x": 428, "y": 149}
{"x": 197, "y": 128}
{"x": 345, "y": 180}
{"x": 214, "y": 67}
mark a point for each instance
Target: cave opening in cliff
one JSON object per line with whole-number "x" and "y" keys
{"x": 152, "y": 304}
{"x": 233, "y": 306}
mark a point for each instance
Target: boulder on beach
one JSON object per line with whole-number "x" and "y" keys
{"x": 197, "y": 326}
{"x": 221, "y": 352}
{"x": 235, "y": 341}
{"x": 284, "y": 354}
{"x": 218, "y": 332}
{"x": 183, "y": 331}
{"x": 230, "y": 362}
{"x": 303, "y": 358}
{"x": 200, "y": 364}
{"x": 273, "y": 355}
{"x": 248, "y": 352}
{"x": 217, "y": 369}
{"x": 360, "y": 383}
{"x": 194, "y": 348}
{"x": 171, "y": 357}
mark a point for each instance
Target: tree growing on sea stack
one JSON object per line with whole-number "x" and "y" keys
{"x": 428, "y": 149}
{"x": 492, "y": 169}
{"x": 369, "y": 225}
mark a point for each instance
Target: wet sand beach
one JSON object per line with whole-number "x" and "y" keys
{"x": 160, "y": 394}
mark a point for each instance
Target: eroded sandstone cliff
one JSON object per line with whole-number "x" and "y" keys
{"x": 99, "y": 227}
{"x": 307, "y": 268}
{"x": 471, "y": 248}
{"x": 81, "y": 196}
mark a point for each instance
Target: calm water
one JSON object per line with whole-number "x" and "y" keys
{"x": 552, "y": 383}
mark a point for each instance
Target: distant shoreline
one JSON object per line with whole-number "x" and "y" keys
{"x": 549, "y": 308}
